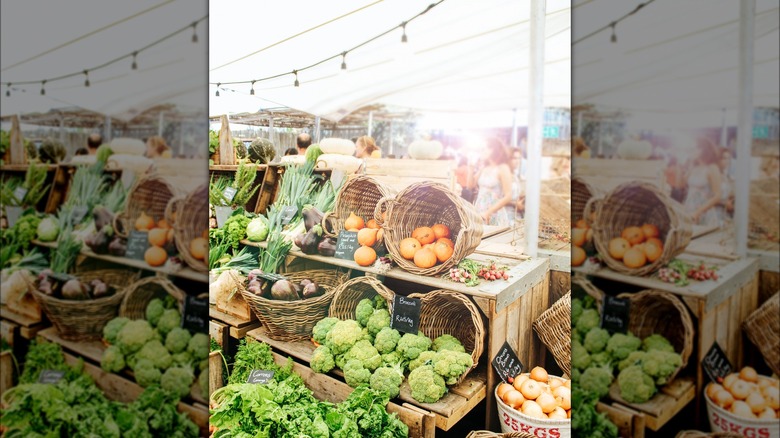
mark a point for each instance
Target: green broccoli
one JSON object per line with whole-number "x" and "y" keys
{"x": 451, "y": 365}
{"x": 155, "y": 352}
{"x": 154, "y": 311}
{"x": 576, "y": 336}
{"x": 340, "y": 360}
{"x": 600, "y": 358}
{"x": 635, "y": 385}
{"x": 588, "y": 320}
{"x": 112, "y": 360}
{"x": 134, "y": 335}
{"x": 576, "y": 309}
{"x": 426, "y": 385}
{"x": 343, "y": 336}
{"x": 588, "y": 302}
{"x": 596, "y": 340}
{"x": 387, "y": 380}
{"x": 366, "y": 353}
{"x": 321, "y": 329}
{"x": 177, "y": 340}
{"x": 379, "y": 302}
{"x": 596, "y": 380}
{"x": 366, "y": 335}
{"x": 391, "y": 358}
{"x": 425, "y": 358}
{"x": 410, "y": 346}
{"x": 322, "y": 360}
{"x": 448, "y": 342}
{"x": 575, "y": 375}
{"x": 580, "y": 358}
{"x": 177, "y": 380}
{"x": 386, "y": 340}
{"x": 182, "y": 359}
{"x": 355, "y": 374}
{"x": 146, "y": 374}
{"x": 203, "y": 384}
{"x": 111, "y": 330}
{"x": 660, "y": 365}
{"x": 198, "y": 347}
{"x": 170, "y": 319}
{"x": 203, "y": 365}
{"x": 621, "y": 345}
{"x": 657, "y": 342}
{"x": 378, "y": 320}
{"x": 633, "y": 358}
{"x": 363, "y": 311}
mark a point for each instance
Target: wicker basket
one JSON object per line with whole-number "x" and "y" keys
{"x": 633, "y": 204}
{"x": 83, "y": 320}
{"x": 699, "y": 434}
{"x": 358, "y": 195}
{"x": 192, "y": 225}
{"x": 581, "y": 193}
{"x": 763, "y": 329}
{"x": 446, "y": 312}
{"x": 349, "y": 294}
{"x": 294, "y": 320}
{"x": 140, "y": 293}
{"x": 175, "y": 204}
{"x": 425, "y": 204}
{"x": 489, "y": 434}
{"x": 149, "y": 194}
{"x": 554, "y": 329}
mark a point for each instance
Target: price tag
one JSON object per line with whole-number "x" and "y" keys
{"x": 260, "y": 376}
{"x": 229, "y": 193}
{"x": 20, "y": 193}
{"x": 13, "y": 214}
{"x": 506, "y": 363}
{"x": 615, "y": 314}
{"x": 406, "y": 314}
{"x": 223, "y": 213}
{"x": 79, "y": 212}
{"x": 346, "y": 245}
{"x": 716, "y": 364}
{"x": 288, "y": 214}
{"x": 51, "y": 376}
{"x": 196, "y": 313}
{"x": 137, "y": 244}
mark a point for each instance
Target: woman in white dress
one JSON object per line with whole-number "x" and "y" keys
{"x": 704, "y": 185}
{"x": 726, "y": 207}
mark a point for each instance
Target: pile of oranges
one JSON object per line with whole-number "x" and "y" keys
{"x": 637, "y": 246}
{"x": 160, "y": 237}
{"x": 581, "y": 235}
{"x": 369, "y": 234}
{"x": 428, "y": 246}
{"x": 538, "y": 395}
{"x": 748, "y": 395}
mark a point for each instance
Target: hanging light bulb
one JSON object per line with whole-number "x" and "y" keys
{"x": 135, "y": 64}
{"x": 404, "y": 39}
{"x": 344, "y": 61}
{"x": 218, "y": 84}
{"x": 43, "y": 90}
{"x": 195, "y": 32}
{"x": 86, "y": 81}
{"x": 252, "y": 91}
{"x": 297, "y": 84}
{"x": 613, "y": 38}
{"x": 8, "y": 91}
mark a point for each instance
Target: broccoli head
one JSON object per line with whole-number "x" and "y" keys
{"x": 355, "y": 374}
{"x": 588, "y": 320}
{"x": 580, "y": 358}
{"x": 378, "y": 320}
{"x": 425, "y": 358}
{"x": 657, "y": 342}
{"x": 588, "y": 302}
{"x": 379, "y": 302}
{"x": 154, "y": 311}
{"x": 198, "y": 347}
{"x": 410, "y": 346}
{"x": 363, "y": 311}
{"x": 621, "y": 345}
{"x": 203, "y": 365}
{"x": 386, "y": 340}
{"x": 635, "y": 385}
{"x": 451, "y": 364}
{"x": 596, "y": 340}
{"x": 177, "y": 380}
{"x": 576, "y": 309}
{"x": 111, "y": 330}
{"x": 633, "y": 358}
{"x": 155, "y": 352}
{"x": 146, "y": 374}
{"x": 366, "y": 353}
{"x": 660, "y": 365}
{"x": 391, "y": 358}
{"x": 343, "y": 336}
{"x": 448, "y": 342}
{"x": 322, "y": 360}
{"x": 170, "y": 319}
{"x": 182, "y": 359}
{"x": 134, "y": 335}
{"x": 203, "y": 384}
{"x": 576, "y": 336}
{"x": 112, "y": 360}
{"x": 575, "y": 375}
{"x": 387, "y": 380}
{"x": 596, "y": 380}
{"x": 366, "y": 335}
{"x": 427, "y": 386}
{"x": 177, "y": 340}
{"x": 321, "y": 329}
{"x": 601, "y": 358}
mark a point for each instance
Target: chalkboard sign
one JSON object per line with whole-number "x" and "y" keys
{"x": 406, "y": 314}
{"x": 229, "y": 193}
{"x": 716, "y": 364}
{"x": 260, "y": 376}
{"x": 615, "y": 314}
{"x": 137, "y": 244}
{"x": 288, "y": 213}
{"x": 20, "y": 193}
{"x": 79, "y": 212}
{"x": 223, "y": 213}
{"x": 51, "y": 376}
{"x": 346, "y": 245}
{"x": 506, "y": 363}
{"x": 12, "y": 214}
{"x": 196, "y": 314}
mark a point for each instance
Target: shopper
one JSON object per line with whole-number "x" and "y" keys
{"x": 463, "y": 176}
{"x": 303, "y": 142}
{"x": 365, "y": 147}
{"x": 93, "y": 142}
{"x": 82, "y": 151}
{"x": 675, "y": 178}
{"x": 494, "y": 182}
{"x": 157, "y": 148}
{"x": 580, "y": 149}
{"x": 704, "y": 184}
{"x": 517, "y": 206}
{"x": 291, "y": 151}
{"x": 726, "y": 206}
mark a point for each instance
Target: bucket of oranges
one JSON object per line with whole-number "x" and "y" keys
{"x": 746, "y": 403}
{"x": 535, "y": 403}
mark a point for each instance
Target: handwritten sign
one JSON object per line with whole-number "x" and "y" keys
{"x": 196, "y": 314}
{"x": 223, "y": 213}
{"x": 506, "y": 363}
{"x": 137, "y": 244}
{"x": 79, "y": 212}
{"x": 615, "y": 314}
{"x": 20, "y": 193}
{"x": 716, "y": 364}
{"x": 229, "y": 193}
{"x": 406, "y": 314}
{"x": 12, "y": 214}
{"x": 288, "y": 213}
{"x": 51, "y": 376}
{"x": 260, "y": 376}
{"x": 346, "y": 245}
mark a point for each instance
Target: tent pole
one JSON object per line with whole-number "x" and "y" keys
{"x": 370, "y": 122}
{"x": 317, "y": 128}
{"x": 536, "y": 108}
{"x": 392, "y": 126}
{"x": 160, "y": 122}
{"x": 579, "y": 124}
{"x": 514, "y": 128}
{"x": 62, "y": 130}
{"x": 271, "y": 129}
{"x": 747, "y": 10}
{"x": 723, "y": 129}
{"x": 107, "y": 130}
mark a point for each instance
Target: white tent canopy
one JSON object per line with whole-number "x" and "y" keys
{"x": 463, "y": 58}
{"x": 43, "y": 40}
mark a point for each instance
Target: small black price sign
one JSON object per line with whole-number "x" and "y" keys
{"x": 716, "y": 364}
{"x": 346, "y": 245}
{"x": 196, "y": 313}
{"x": 12, "y": 214}
{"x": 137, "y": 244}
{"x": 20, "y": 193}
{"x": 506, "y": 363}
{"x": 79, "y": 212}
{"x": 51, "y": 376}
{"x": 260, "y": 376}
{"x": 229, "y": 193}
{"x": 288, "y": 213}
{"x": 615, "y": 314}
{"x": 406, "y": 314}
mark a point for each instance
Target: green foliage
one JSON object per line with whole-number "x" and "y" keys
{"x": 585, "y": 420}
{"x": 235, "y": 229}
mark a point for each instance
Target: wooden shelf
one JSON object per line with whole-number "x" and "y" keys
{"x": 232, "y": 167}
{"x": 238, "y": 328}
{"x": 671, "y": 399}
{"x": 28, "y": 327}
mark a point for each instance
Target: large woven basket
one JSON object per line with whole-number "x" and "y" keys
{"x": 140, "y": 293}
{"x": 582, "y": 192}
{"x": 489, "y": 434}
{"x": 446, "y": 312}
{"x": 633, "y": 204}
{"x": 192, "y": 224}
{"x": 149, "y": 194}
{"x": 349, "y": 294}
{"x": 359, "y": 195}
{"x": 554, "y": 329}
{"x": 425, "y": 204}
{"x": 83, "y": 320}
{"x": 763, "y": 329}
{"x": 294, "y": 320}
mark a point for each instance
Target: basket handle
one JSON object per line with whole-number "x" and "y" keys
{"x": 378, "y": 209}
{"x": 590, "y": 289}
{"x": 593, "y": 204}
{"x": 118, "y": 225}
{"x": 326, "y": 221}
{"x": 174, "y": 206}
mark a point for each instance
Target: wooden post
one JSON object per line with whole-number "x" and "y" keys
{"x": 160, "y": 123}
{"x": 227, "y": 153}
{"x": 107, "y": 130}
{"x": 317, "y": 128}
{"x": 16, "y": 152}
{"x": 579, "y": 124}
{"x": 747, "y": 9}
{"x": 535, "y": 113}
{"x": 370, "y": 121}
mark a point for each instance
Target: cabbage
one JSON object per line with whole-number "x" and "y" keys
{"x": 257, "y": 229}
{"x": 47, "y": 229}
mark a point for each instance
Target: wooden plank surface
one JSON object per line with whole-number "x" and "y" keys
{"x": 238, "y": 327}
{"x": 662, "y": 407}
{"x": 8, "y": 331}
{"x": 92, "y": 350}
{"x": 630, "y": 423}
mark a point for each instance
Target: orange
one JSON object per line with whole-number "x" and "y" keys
{"x": 446, "y": 241}
{"x": 634, "y": 235}
{"x": 441, "y": 230}
{"x": 581, "y": 224}
{"x": 144, "y": 222}
{"x": 655, "y": 241}
{"x": 424, "y": 235}
{"x": 155, "y": 256}
{"x": 365, "y": 256}
{"x": 199, "y": 248}
{"x": 367, "y": 236}
{"x": 618, "y": 247}
{"x": 354, "y": 222}
{"x": 158, "y": 236}
{"x": 425, "y": 258}
{"x": 634, "y": 258}
{"x": 409, "y": 247}
{"x": 442, "y": 250}
{"x": 650, "y": 230}
{"x": 163, "y": 224}
{"x": 372, "y": 224}
{"x": 578, "y": 256}
{"x": 578, "y": 236}
{"x": 653, "y": 252}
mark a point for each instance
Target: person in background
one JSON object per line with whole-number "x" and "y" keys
{"x": 518, "y": 188}
{"x": 157, "y": 148}
{"x": 770, "y": 167}
{"x": 726, "y": 207}
{"x": 675, "y": 178}
{"x": 93, "y": 142}
{"x": 291, "y": 151}
{"x": 494, "y": 182}
{"x": 561, "y": 167}
{"x": 704, "y": 184}
{"x": 303, "y": 141}
{"x": 82, "y": 151}
{"x": 463, "y": 176}
{"x": 365, "y": 147}
{"x": 580, "y": 149}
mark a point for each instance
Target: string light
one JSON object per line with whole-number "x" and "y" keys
{"x": 8, "y": 91}
{"x": 344, "y": 61}
{"x": 613, "y": 38}
{"x": 43, "y": 89}
{"x": 218, "y": 84}
{"x": 613, "y": 24}
{"x": 135, "y": 64}
{"x": 403, "y": 37}
{"x": 86, "y": 81}
{"x": 195, "y": 32}
{"x": 252, "y": 91}
{"x": 297, "y": 84}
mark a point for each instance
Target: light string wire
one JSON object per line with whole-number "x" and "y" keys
{"x": 614, "y": 24}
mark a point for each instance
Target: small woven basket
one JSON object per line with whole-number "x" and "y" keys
{"x": 192, "y": 225}
{"x": 489, "y": 434}
{"x": 358, "y": 195}
{"x": 140, "y": 293}
{"x": 294, "y": 320}
{"x": 149, "y": 194}
{"x": 554, "y": 329}
{"x": 446, "y": 312}
{"x": 633, "y": 204}
{"x": 348, "y": 295}
{"x": 763, "y": 329}
{"x": 83, "y": 320}
{"x": 581, "y": 192}
{"x": 425, "y": 204}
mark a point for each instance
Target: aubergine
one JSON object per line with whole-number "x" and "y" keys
{"x": 117, "y": 247}
{"x": 102, "y": 217}
{"x": 327, "y": 247}
{"x": 284, "y": 290}
{"x": 312, "y": 216}
{"x": 99, "y": 242}
{"x": 310, "y": 241}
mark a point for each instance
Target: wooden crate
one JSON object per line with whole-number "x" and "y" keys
{"x": 7, "y": 371}
{"x": 230, "y": 170}
{"x": 630, "y": 423}
{"x": 670, "y": 400}
{"x": 237, "y": 328}
{"x": 398, "y": 174}
{"x": 608, "y": 174}
{"x": 28, "y": 327}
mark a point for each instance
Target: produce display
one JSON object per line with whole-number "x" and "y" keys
{"x": 428, "y": 246}
{"x": 538, "y": 395}
{"x": 637, "y": 245}
{"x": 281, "y": 289}
{"x": 747, "y": 394}
{"x": 469, "y": 272}
{"x": 680, "y": 272}
{"x": 73, "y": 288}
